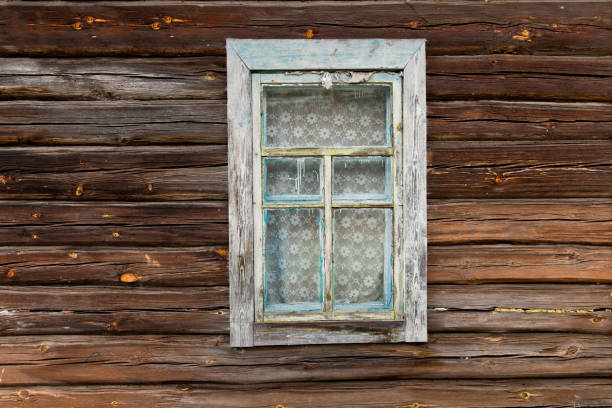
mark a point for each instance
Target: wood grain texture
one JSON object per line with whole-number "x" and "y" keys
{"x": 457, "y": 297}
{"x": 123, "y": 123}
{"x": 240, "y": 206}
{"x": 500, "y": 120}
{"x": 216, "y": 321}
{"x": 414, "y": 198}
{"x": 450, "y": 222}
{"x": 116, "y": 123}
{"x": 67, "y": 223}
{"x": 517, "y": 77}
{"x": 207, "y": 266}
{"x": 513, "y": 169}
{"x": 562, "y": 393}
{"x": 114, "y": 173}
{"x": 519, "y": 263}
{"x": 519, "y": 221}
{"x": 178, "y": 359}
{"x": 148, "y": 266}
{"x": 170, "y": 29}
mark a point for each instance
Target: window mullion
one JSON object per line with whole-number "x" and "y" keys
{"x": 328, "y": 292}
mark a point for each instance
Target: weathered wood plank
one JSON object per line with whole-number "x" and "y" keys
{"x": 112, "y": 123}
{"x": 25, "y": 322}
{"x": 513, "y": 169}
{"x": 562, "y": 393}
{"x": 152, "y": 266}
{"x": 240, "y": 203}
{"x": 456, "y": 170}
{"x": 206, "y": 266}
{"x": 491, "y": 120}
{"x": 114, "y": 173}
{"x": 66, "y": 223}
{"x": 157, "y": 359}
{"x": 449, "y": 77}
{"x": 519, "y": 221}
{"x": 450, "y": 222}
{"x": 203, "y": 122}
{"x": 171, "y": 29}
{"x": 459, "y": 297}
{"x": 519, "y": 263}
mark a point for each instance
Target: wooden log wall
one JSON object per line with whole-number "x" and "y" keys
{"x": 113, "y": 208}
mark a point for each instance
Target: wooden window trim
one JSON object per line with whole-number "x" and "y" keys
{"x": 244, "y": 57}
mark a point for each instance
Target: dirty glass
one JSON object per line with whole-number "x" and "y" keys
{"x": 364, "y": 178}
{"x": 288, "y": 179}
{"x": 362, "y": 258}
{"x": 312, "y": 116}
{"x": 293, "y": 259}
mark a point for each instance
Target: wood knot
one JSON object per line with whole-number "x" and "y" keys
{"x": 571, "y": 350}
{"x": 10, "y": 273}
{"x": 34, "y": 236}
{"x": 149, "y": 187}
{"x": 77, "y": 26}
{"x": 116, "y": 234}
{"x": 36, "y": 215}
{"x": 525, "y": 395}
{"x": 279, "y": 406}
{"x": 499, "y": 178}
{"x": 6, "y": 179}
{"x": 79, "y": 190}
{"x": 156, "y": 25}
{"x": 23, "y": 394}
{"x": 167, "y": 19}
{"x": 596, "y": 319}
{"x": 129, "y": 277}
{"x": 43, "y": 348}
{"x": 113, "y": 326}
{"x": 308, "y": 34}
{"x": 222, "y": 253}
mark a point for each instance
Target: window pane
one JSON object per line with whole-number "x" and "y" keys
{"x": 312, "y": 116}
{"x": 292, "y": 179}
{"x": 293, "y": 259}
{"x": 362, "y": 258}
{"x": 367, "y": 178}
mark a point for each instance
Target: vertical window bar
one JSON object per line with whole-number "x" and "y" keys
{"x": 327, "y": 271}
{"x": 257, "y": 198}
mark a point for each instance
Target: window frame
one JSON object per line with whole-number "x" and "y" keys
{"x": 344, "y": 62}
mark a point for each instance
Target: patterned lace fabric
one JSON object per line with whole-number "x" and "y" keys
{"x": 361, "y": 176}
{"x": 312, "y": 116}
{"x": 360, "y": 256}
{"x": 292, "y": 178}
{"x": 293, "y": 253}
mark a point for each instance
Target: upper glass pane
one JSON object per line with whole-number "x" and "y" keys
{"x": 362, "y": 179}
{"x": 292, "y": 180}
{"x": 312, "y": 116}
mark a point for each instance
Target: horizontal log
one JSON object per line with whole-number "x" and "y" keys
{"x": 562, "y": 393}
{"x": 518, "y": 263}
{"x": 204, "y": 122}
{"x": 169, "y": 224}
{"x": 456, "y": 170}
{"x": 450, "y": 222}
{"x": 25, "y": 322}
{"x": 457, "y": 297}
{"x": 112, "y": 123}
{"x": 495, "y": 120}
{"x": 519, "y": 221}
{"x": 151, "y": 266}
{"x": 514, "y": 169}
{"x": 170, "y": 29}
{"x": 449, "y": 77}
{"x": 205, "y": 266}
{"x": 114, "y": 173}
{"x": 157, "y": 359}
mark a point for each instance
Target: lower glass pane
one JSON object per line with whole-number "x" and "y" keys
{"x": 293, "y": 259}
{"x": 362, "y": 258}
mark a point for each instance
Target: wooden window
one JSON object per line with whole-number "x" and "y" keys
{"x": 327, "y": 200}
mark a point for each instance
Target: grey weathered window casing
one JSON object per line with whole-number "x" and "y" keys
{"x": 333, "y": 60}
